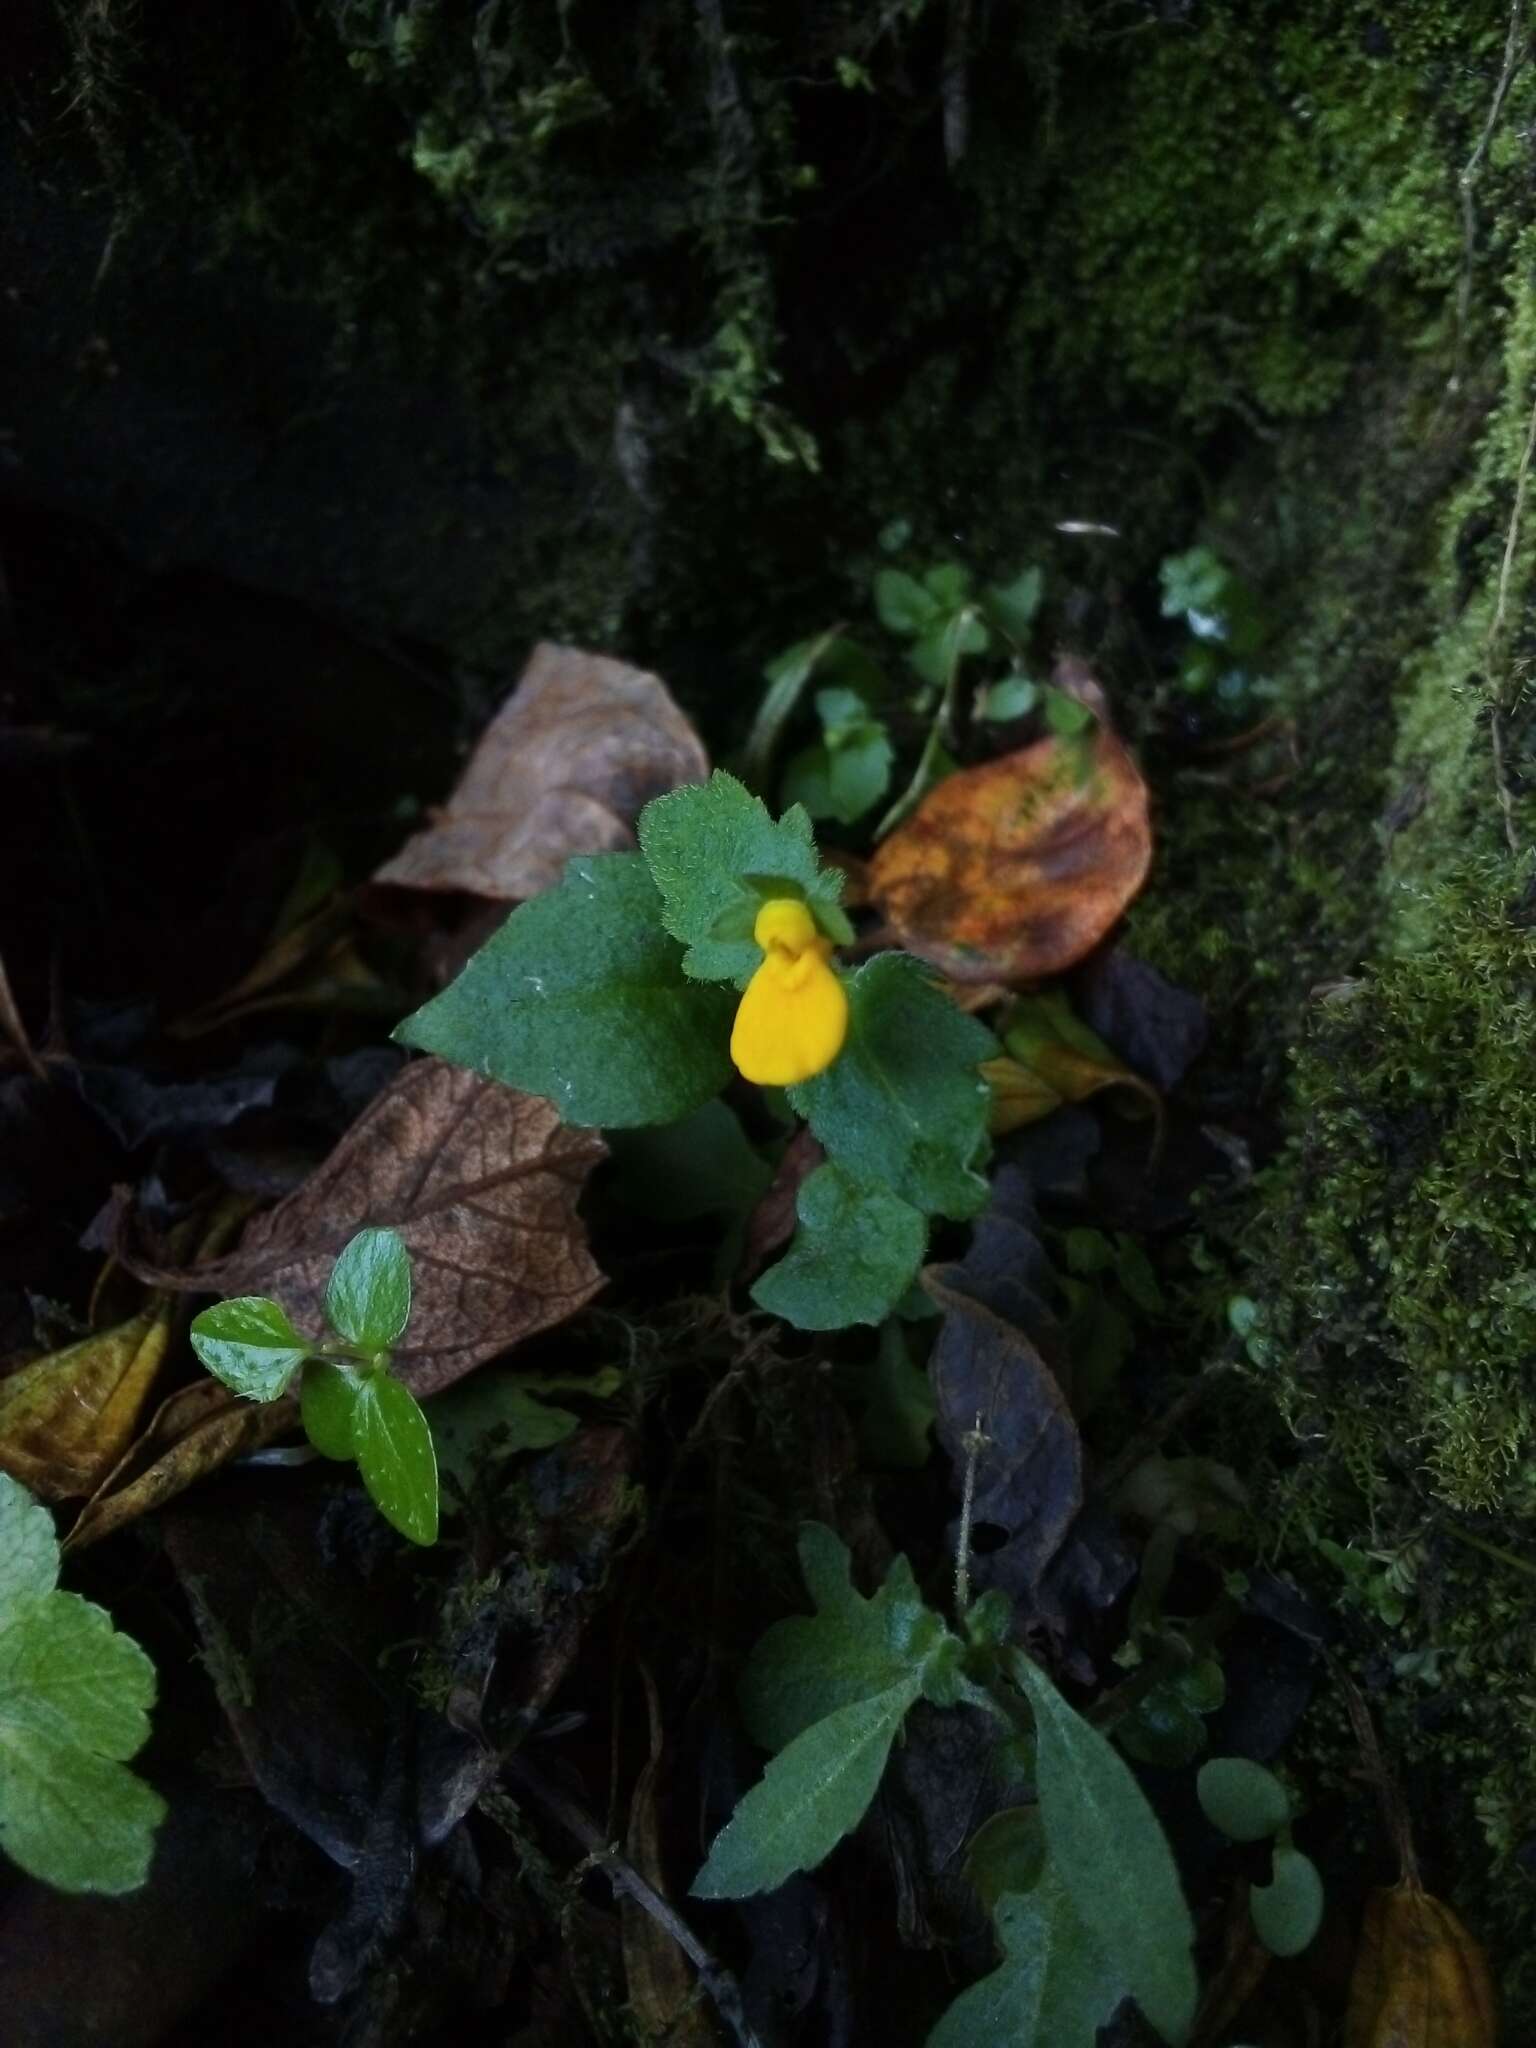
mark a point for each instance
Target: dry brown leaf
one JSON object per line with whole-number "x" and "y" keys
{"x": 1420, "y": 1979}
{"x": 66, "y": 1419}
{"x": 578, "y": 749}
{"x": 1016, "y": 869}
{"x": 479, "y": 1180}
{"x": 192, "y": 1433}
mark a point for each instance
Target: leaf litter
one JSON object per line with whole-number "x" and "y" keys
{"x": 449, "y": 1732}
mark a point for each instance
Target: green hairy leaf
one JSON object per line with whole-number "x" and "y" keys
{"x": 811, "y": 1795}
{"x": 904, "y": 1103}
{"x": 708, "y": 845}
{"x": 489, "y": 1416}
{"x": 856, "y": 1252}
{"x": 392, "y": 1443}
{"x": 250, "y": 1345}
{"x": 1112, "y": 1857}
{"x": 809, "y": 1666}
{"x": 368, "y": 1300}
{"x": 1054, "y": 1988}
{"x": 581, "y": 997}
{"x": 74, "y": 1700}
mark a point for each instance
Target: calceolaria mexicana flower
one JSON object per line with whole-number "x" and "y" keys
{"x": 793, "y": 1017}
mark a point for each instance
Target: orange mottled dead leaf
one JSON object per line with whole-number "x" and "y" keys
{"x": 479, "y": 1180}
{"x": 191, "y": 1434}
{"x": 66, "y": 1419}
{"x": 1420, "y": 1979}
{"x": 1016, "y": 869}
{"x": 566, "y": 765}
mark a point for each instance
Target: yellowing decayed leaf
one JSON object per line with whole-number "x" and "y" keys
{"x": 1051, "y": 1058}
{"x": 191, "y": 1434}
{"x": 565, "y": 767}
{"x": 66, "y": 1419}
{"x": 1016, "y": 869}
{"x": 1420, "y": 1979}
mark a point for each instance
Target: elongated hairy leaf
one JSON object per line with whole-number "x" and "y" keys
{"x": 811, "y": 1795}
{"x": 1112, "y": 1857}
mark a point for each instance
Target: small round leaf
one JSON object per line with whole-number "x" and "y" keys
{"x": 250, "y": 1345}
{"x": 1242, "y": 1799}
{"x": 1288, "y": 1911}
{"x": 368, "y": 1300}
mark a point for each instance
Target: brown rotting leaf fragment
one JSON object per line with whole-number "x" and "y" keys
{"x": 566, "y": 765}
{"x": 479, "y": 1180}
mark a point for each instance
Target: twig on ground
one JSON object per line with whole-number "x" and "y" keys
{"x": 623, "y": 1876}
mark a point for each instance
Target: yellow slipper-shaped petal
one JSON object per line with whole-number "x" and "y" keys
{"x": 793, "y": 1018}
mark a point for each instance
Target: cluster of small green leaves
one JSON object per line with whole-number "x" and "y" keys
{"x": 612, "y": 995}
{"x": 1080, "y": 1881}
{"x": 943, "y": 618}
{"x": 353, "y": 1406}
{"x": 74, "y": 1704}
{"x": 1227, "y": 629}
{"x": 1250, "y": 1804}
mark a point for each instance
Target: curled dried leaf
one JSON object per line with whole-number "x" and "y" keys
{"x": 191, "y": 1434}
{"x": 1017, "y": 868}
{"x": 565, "y": 767}
{"x": 1420, "y": 1979}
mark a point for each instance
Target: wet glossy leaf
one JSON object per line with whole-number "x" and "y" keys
{"x": 904, "y": 1104}
{"x": 566, "y": 765}
{"x": 581, "y": 997}
{"x": 368, "y": 1296}
{"x": 1288, "y": 1911}
{"x": 66, "y": 1419}
{"x": 1017, "y": 868}
{"x": 856, "y": 1252}
{"x": 1055, "y": 1987}
{"x": 1421, "y": 1980}
{"x": 392, "y": 1443}
{"x": 1112, "y": 1857}
{"x": 1243, "y": 1799}
{"x": 327, "y": 1400}
{"x": 74, "y": 1700}
{"x": 250, "y": 1345}
{"x": 480, "y": 1182}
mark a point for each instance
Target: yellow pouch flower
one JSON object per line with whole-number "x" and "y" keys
{"x": 793, "y": 1018}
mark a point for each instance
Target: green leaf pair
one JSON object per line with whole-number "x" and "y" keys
{"x": 1250, "y": 1804}
{"x": 74, "y": 1701}
{"x": 352, "y": 1406}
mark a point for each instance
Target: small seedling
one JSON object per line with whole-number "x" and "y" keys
{"x": 352, "y": 1403}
